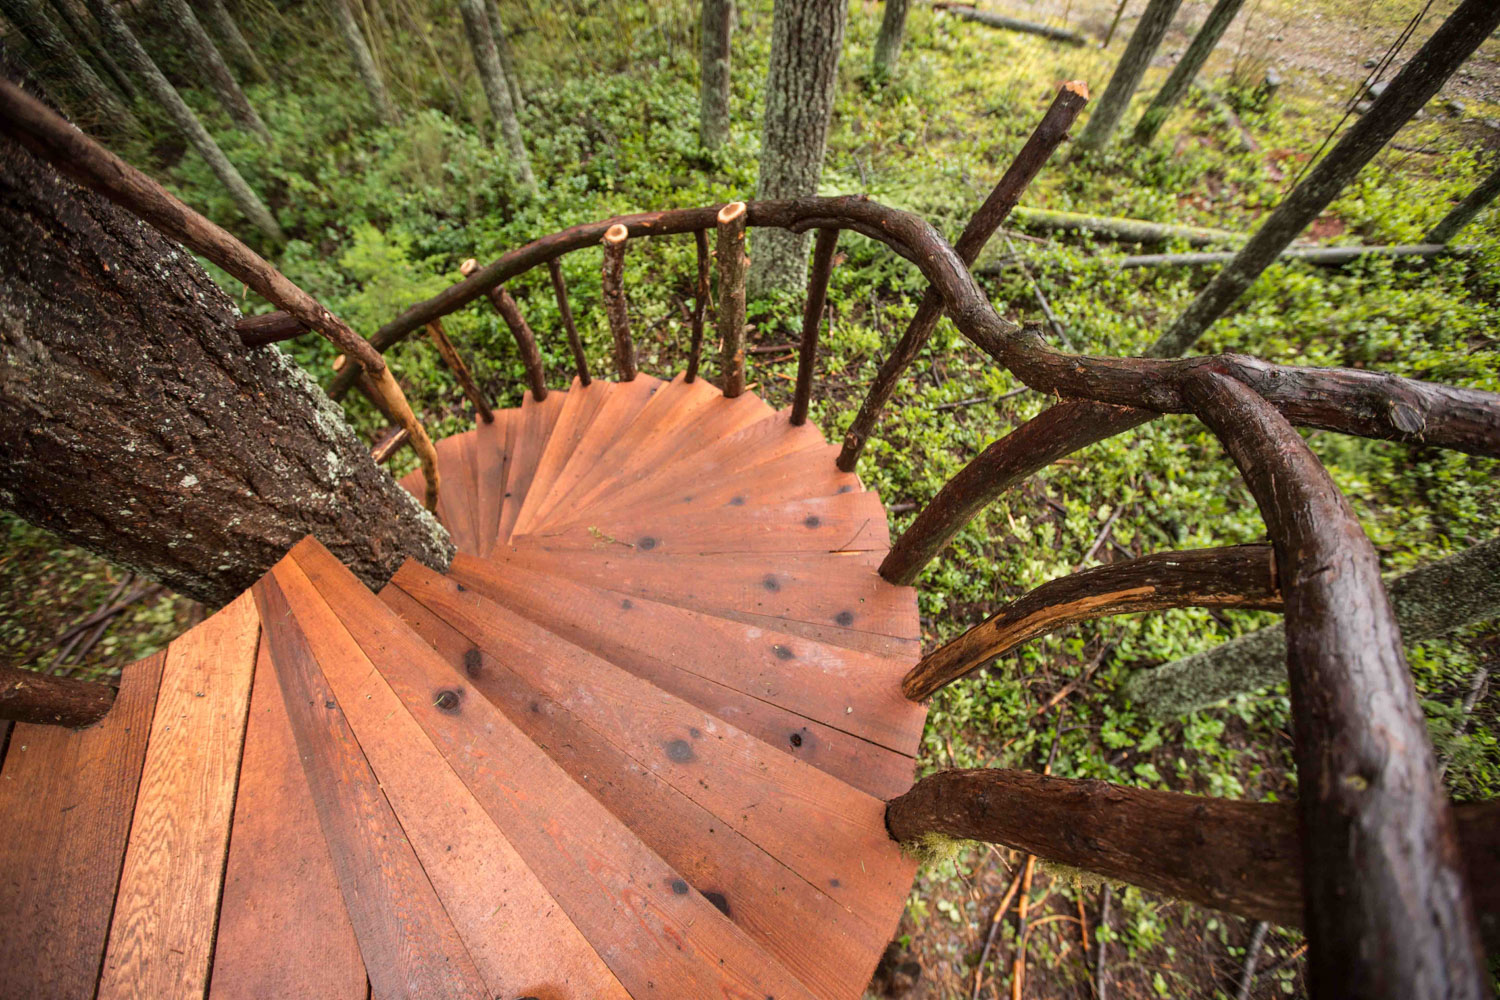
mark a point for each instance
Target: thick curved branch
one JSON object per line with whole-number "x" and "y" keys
{"x": 1240, "y": 576}
{"x": 1239, "y": 857}
{"x": 1387, "y": 909}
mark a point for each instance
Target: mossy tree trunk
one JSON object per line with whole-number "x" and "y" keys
{"x": 128, "y": 47}
{"x": 139, "y": 428}
{"x": 233, "y": 39}
{"x": 1126, "y": 78}
{"x": 888, "y": 41}
{"x": 1464, "y": 212}
{"x": 507, "y": 58}
{"x": 77, "y": 19}
{"x": 211, "y": 65}
{"x": 68, "y": 67}
{"x": 716, "y": 28}
{"x": 806, "y": 39}
{"x": 1187, "y": 68}
{"x": 496, "y": 90}
{"x": 364, "y": 63}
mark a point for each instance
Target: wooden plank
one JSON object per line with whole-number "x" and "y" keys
{"x": 409, "y": 946}
{"x": 283, "y": 930}
{"x": 66, "y": 801}
{"x": 629, "y": 402}
{"x": 825, "y": 830}
{"x": 521, "y": 942}
{"x": 583, "y": 405}
{"x": 843, "y": 591}
{"x": 846, "y": 522}
{"x": 161, "y": 938}
{"x": 839, "y": 689}
{"x": 468, "y": 451}
{"x": 528, "y": 444}
{"x": 454, "y": 492}
{"x": 657, "y": 940}
{"x": 831, "y": 950}
{"x": 491, "y": 460}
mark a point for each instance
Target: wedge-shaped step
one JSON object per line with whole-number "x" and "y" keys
{"x": 527, "y": 446}
{"x": 583, "y": 405}
{"x": 621, "y": 896}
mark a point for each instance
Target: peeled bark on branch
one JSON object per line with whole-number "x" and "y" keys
{"x": 364, "y": 63}
{"x": 1126, "y": 78}
{"x": 145, "y": 433}
{"x": 496, "y": 91}
{"x": 888, "y": 41}
{"x": 61, "y": 57}
{"x": 1429, "y": 601}
{"x": 1187, "y": 68}
{"x": 129, "y": 49}
{"x": 210, "y": 64}
{"x": 990, "y": 20}
{"x": 1410, "y": 89}
{"x": 807, "y": 37}
{"x": 716, "y": 28}
{"x": 229, "y": 33}
{"x": 1238, "y": 857}
{"x": 1242, "y": 576}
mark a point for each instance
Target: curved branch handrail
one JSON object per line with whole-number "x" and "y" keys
{"x": 1235, "y": 576}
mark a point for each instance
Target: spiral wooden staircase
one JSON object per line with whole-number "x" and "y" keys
{"x": 636, "y": 742}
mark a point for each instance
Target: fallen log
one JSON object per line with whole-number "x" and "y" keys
{"x": 1004, "y": 23}
{"x": 1121, "y": 230}
{"x": 1321, "y": 256}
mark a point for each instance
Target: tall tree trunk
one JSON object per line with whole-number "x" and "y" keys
{"x": 1409, "y": 90}
{"x": 1429, "y": 601}
{"x": 888, "y": 42}
{"x": 210, "y": 64}
{"x": 1463, "y": 213}
{"x": 129, "y": 49}
{"x": 143, "y": 431}
{"x": 507, "y": 58}
{"x": 1186, "y": 69}
{"x": 496, "y": 91}
{"x": 807, "y": 37}
{"x": 716, "y": 28}
{"x": 77, "y": 20}
{"x": 1128, "y": 73}
{"x": 230, "y": 35}
{"x": 364, "y": 63}
{"x": 68, "y": 66}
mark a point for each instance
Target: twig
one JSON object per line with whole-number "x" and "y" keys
{"x": 959, "y": 404}
{"x": 770, "y": 348}
{"x": 1075, "y": 684}
{"x": 1100, "y": 984}
{"x": 1099, "y": 539}
{"x": 1252, "y": 955}
{"x": 1476, "y": 687}
{"x": 1297, "y": 953}
{"x": 989, "y": 942}
{"x": 1041, "y": 299}
{"x": 1083, "y": 923}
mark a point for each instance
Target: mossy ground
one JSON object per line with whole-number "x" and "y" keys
{"x": 381, "y": 217}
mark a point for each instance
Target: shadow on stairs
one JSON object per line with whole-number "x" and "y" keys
{"x": 635, "y": 742}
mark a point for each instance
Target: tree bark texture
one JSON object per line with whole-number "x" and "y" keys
{"x": 1240, "y": 576}
{"x": 63, "y": 60}
{"x": 1410, "y": 89}
{"x": 29, "y": 696}
{"x": 1198, "y": 51}
{"x": 716, "y": 29}
{"x": 364, "y": 63}
{"x": 1126, "y": 78}
{"x": 1239, "y": 857}
{"x": 806, "y": 39}
{"x": 1429, "y": 601}
{"x": 210, "y": 64}
{"x": 892, "y": 33}
{"x": 1463, "y": 213}
{"x": 496, "y": 91}
{"x": 77, "y": 20}
{"x": 129, "y": 49}
{"x": 1388, "y": 913}
{"x": 234, "y": 40}
{"x": 140, "y": 428}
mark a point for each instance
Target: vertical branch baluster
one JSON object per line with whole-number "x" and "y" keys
{"x": 575, "y": 344}
{"x": 506, "y": 306}
{"x": 614, "y": 300}
{"x": 812, "y": 321}
{"x": 460, "y": 370}
{"x": 1048, "y": 135}
{"x": 700, "y": 305}
{"x": 731, "y": 225}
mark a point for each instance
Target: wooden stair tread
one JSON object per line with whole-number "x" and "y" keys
{"x": 568, "y": 767}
